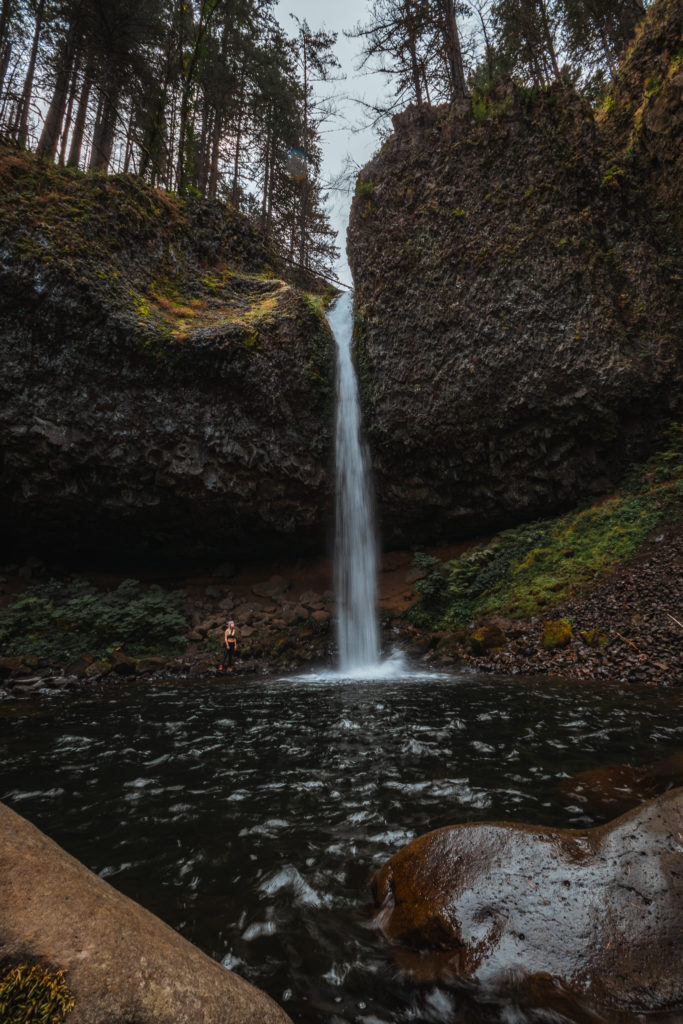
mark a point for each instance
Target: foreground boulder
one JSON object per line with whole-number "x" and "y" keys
{"x": 596, "y": 913}
{"x": 122, "y": 964}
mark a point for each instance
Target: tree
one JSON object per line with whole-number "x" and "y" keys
{"x": 316, "y": 62}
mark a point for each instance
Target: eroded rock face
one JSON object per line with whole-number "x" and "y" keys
{"x": 596, "y": 913}
{"x": 517, "y": 311}
{"x": 122, "y": 963}
{"x": 162, "y": 390}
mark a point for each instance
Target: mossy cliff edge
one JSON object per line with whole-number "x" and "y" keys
{"x": 517, "y": 263}
{"x": 165, "y": 390}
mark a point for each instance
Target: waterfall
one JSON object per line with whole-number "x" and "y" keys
{"x": 355, "y": 543}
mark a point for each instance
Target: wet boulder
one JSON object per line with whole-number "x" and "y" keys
{"x": 122, "y": 964}
{"x": 596, "y": 913}
{"x": 615, "y": 788}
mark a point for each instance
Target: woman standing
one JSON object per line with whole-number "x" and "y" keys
{"x": 230, "y": 640}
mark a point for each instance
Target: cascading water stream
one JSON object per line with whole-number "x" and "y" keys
{"x": 355, "y": 544}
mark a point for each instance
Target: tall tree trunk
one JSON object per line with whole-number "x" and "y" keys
{"x": 238, "y": 141}
{"x": 105, "y": 127}
{"x": 271, "y": 190}
{"x": 204, "y": 154}
{"x": 52, "y": 126}
{"x": 5, "y": 54}
{"x": 266, "y": 181}
{"x": 215, "y": 153}
{"x": 74, "y": 158}
{"x": 207, "y": 11}
{"x": 69, "y": 111}
{"x": 129, "y": 141}
{"x": 415, "y": 71}
{"x": 304, "y": 183}
{"x": 549, "y": 42}
{"x": 5, "y": 42}
{"x": 454, "y": 51}
{"x": 27, "y": 92}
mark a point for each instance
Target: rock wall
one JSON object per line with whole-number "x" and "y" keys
{"x": 164, "y": 391}
{"x": 519, "y": 311}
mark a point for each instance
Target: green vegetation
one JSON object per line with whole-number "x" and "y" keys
{"x": 30, "y": 994}
{"x": 364, "y": 189}
{"x": 531, "y": 568}
{"x": 556, "y": 633}
{"x": 62, "y": 620}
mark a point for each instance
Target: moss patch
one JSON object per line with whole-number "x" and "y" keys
{"x": 528, "y": 570}
{"x": 556, "y": 633}
{"x": 30, "y": 994}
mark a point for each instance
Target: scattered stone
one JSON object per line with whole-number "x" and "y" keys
{"x": 309, "y": 597}
{"x": 322, "y": 616}
{"x": 212, "y": 591}
{"x": 276, "y": 588}
{"x": 203, "y": 667}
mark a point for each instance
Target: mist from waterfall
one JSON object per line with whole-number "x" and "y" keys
{"x": 355, "y": 541}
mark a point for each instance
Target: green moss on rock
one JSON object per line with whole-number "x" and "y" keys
{"x": 556, "y": 633}
{"x": 32, "y": 994}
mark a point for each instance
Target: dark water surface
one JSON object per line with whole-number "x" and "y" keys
{"x": 251, "y": 815}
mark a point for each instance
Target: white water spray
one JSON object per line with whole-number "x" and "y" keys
{"x": 356, "y": 548}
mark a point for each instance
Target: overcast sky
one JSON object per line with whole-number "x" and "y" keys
{"x": 339, "y": 139}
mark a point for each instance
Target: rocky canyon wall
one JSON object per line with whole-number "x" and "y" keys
{"x": 517, "y": 272}
{"x": 164, "y": 390}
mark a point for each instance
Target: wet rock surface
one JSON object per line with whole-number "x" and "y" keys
{"x": 122, "y": 963}
{"x": 616, "y": 788}
{"x": 164, "y": 393}
{"x": 516, "y": 311}
{"x": 596, "y": 913}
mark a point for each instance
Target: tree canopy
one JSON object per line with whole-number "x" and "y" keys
{"x": 201, "y": 97}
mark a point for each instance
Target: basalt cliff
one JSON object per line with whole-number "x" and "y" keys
{"x": 166, "y": 390}
{"x": 517, "y": 265}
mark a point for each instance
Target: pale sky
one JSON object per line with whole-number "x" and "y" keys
{"x": 338, "y": 139}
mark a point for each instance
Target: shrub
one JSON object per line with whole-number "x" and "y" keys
{"x": 364, "y": 189}
{"x": 30, "y": 994}
{"x": 61, "y": 620}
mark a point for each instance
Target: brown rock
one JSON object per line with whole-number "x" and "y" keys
{"x": 276, "y": 588}
{"x": 615, "y": 788}
{"x": 122, "y": 963}
{"x": 487, "y": 638}
{"x": 11, "y": 668}
{"x": 597, "y": 912}
{"x": 322, "y": 616}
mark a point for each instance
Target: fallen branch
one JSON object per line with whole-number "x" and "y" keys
{"x": 676, "y": 621}
{"x": 629, "y": 642}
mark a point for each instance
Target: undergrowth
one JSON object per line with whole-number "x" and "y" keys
{"x": 62, "y": 620}
{"x": 527, "y": 570}
{"x": 30, "y": 994}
